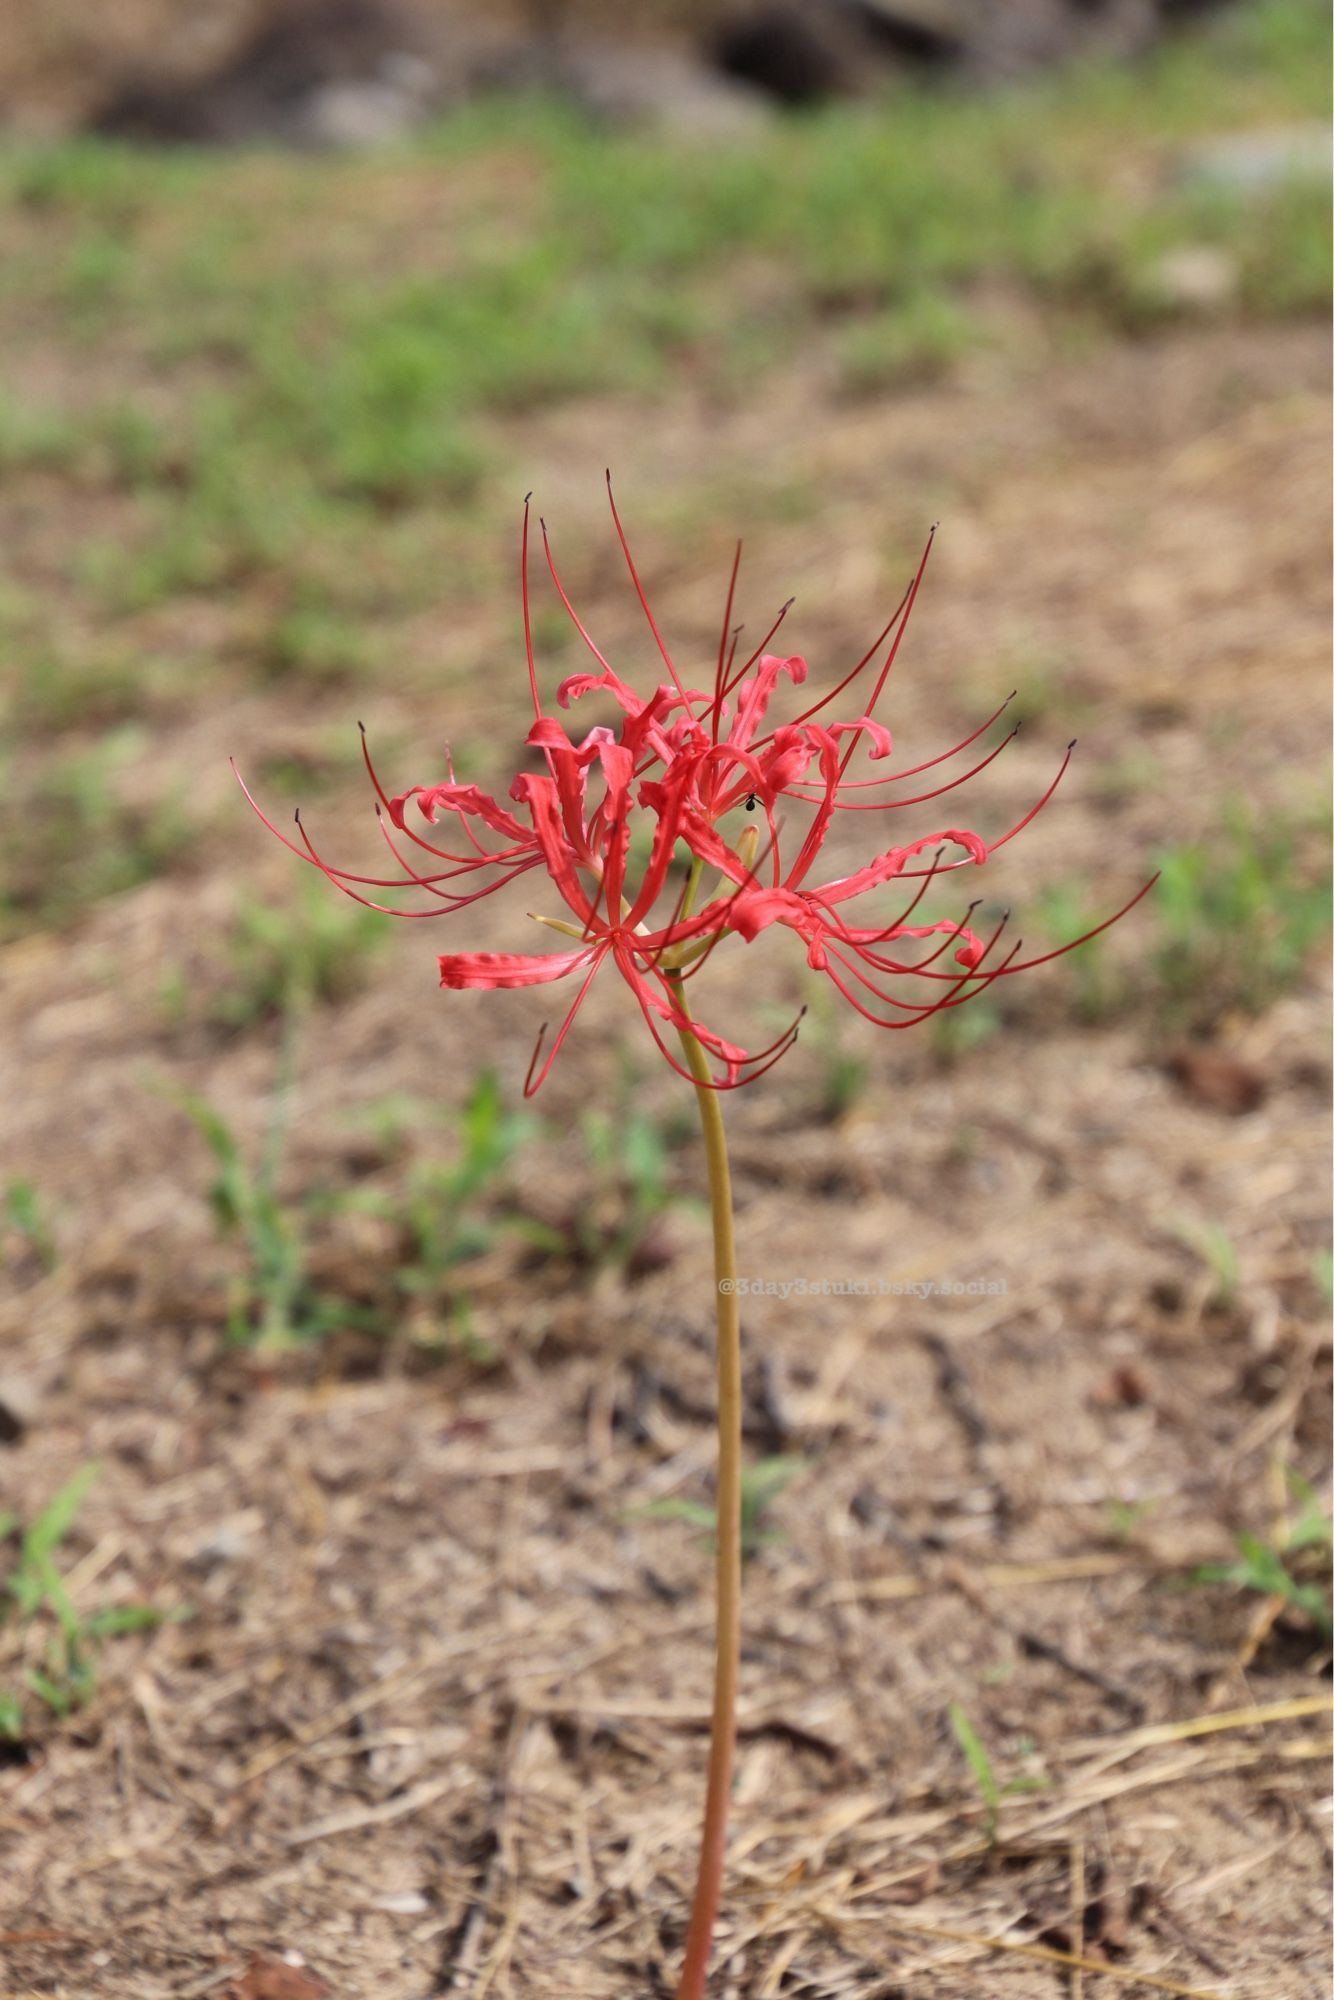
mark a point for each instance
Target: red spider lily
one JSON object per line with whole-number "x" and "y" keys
{"x": 685, "y": 760}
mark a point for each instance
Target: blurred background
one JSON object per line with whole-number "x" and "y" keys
{"x": 355, "y": 1446}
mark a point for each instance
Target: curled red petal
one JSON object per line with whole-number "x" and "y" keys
{"x": 887, "y": 866}
{"x": 466, "y": 800}
{"x": 463, "y": 970}
{"x": 882, "y": 743}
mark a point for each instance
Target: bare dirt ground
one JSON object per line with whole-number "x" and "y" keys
{"x": 435, "y": 1725}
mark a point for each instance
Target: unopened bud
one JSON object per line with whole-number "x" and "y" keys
{"x": 557, "y": 924}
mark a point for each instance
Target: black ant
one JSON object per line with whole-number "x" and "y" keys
{"x": 751, "y": 802}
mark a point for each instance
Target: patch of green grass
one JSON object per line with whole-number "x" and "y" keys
{"x": 23, "y": 1216}
{"x": 280, "y": 415}
{"x": 442, "y": 1216}
{"x": 314, "y": 640}
{"x": 1294, "y": 1567}
{"x": 1218, "y": 1253}
{"x": 1125, "y": 1518}
{"x": 274, "y": 1303}
{"x": 1239, "y": 916}
{"x": 1323, "y": 1273}
{"x": 955, "y": 1032}
{"x": 37, "y": 438}
{"x": 282, "y": 384}
{"x": 761, "y": 1484}
{"x": 629, "y": 1154}
{"x": 449, "y": 1213}
{"x": 1131, "y": 774}
{"x": 1067, "y": 910}
{"x": 990, "y": 1789}
{"x": 911, "y": 341}
{"x": 980, "y": 1764}
{"x": 321, "y": 948}
{"x": 1232, "y": 924}
{"x": 77, "y": 831}
{"x": 841, "y": 1072}
{"x": 56, "y": 692}
{"x": 34, "y": 1589}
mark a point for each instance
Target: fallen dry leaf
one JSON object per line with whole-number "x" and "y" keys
{"x": 1123, "y": 1387}
{"x": 1220, "y": 1081}
{"x": 278, "y": 1979}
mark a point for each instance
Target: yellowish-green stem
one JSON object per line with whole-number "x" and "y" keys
{"x": 722, "y": 1737}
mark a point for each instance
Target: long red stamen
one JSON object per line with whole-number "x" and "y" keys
{"x": 919, "y": 798}
{"x": 465, "y": 864}
{"x": 531, "y": 1086}
{"x": 1033, "y": 811}
{"x": 427, "y": 846}
{"x": 885, "y": 671}
{"x": 715, "y": 707}
{"x": 527, "y": 610}
{"x": 1097, "y": 931}
{"x": 952, "y": 935}
{"x": 848, "y": 678}
{"x": 659, "y": 641}
{"x": 948, "y": 1000}
{"x": 422, "y": 881}
{"x": 574, "y": 617}
{"x": 955, "y": 979}
{"x": 911, "y": 874}
{"x": 782, "y": 1046}
{"x": 745, "y": 668}
{"x": 831, "y": 915}
{"x": 386, "y": 909}
{"x": 929, "y": 764}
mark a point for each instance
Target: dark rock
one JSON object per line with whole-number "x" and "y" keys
{"x": 794, "y": 53}
{"x": 350, "y": 72}
{"x": 930, "y": 34}
{"x": 325, "y": 72}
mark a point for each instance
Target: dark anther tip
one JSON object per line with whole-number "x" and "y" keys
{"x": 297, "y": 815}
{"x": 541, "y": 522}
{"x": 1071, "y": 744}
{"x": 527, "y": 496}
{"x": 362, "y": 727}
{"x": 378, "y": 813}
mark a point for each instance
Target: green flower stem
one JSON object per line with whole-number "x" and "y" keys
{"x": 722, "y": 1735}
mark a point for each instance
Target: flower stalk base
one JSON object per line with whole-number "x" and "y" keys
{"x": 722, "y": 1734}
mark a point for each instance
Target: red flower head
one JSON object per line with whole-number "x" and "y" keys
{"x": 683, "y": 761}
